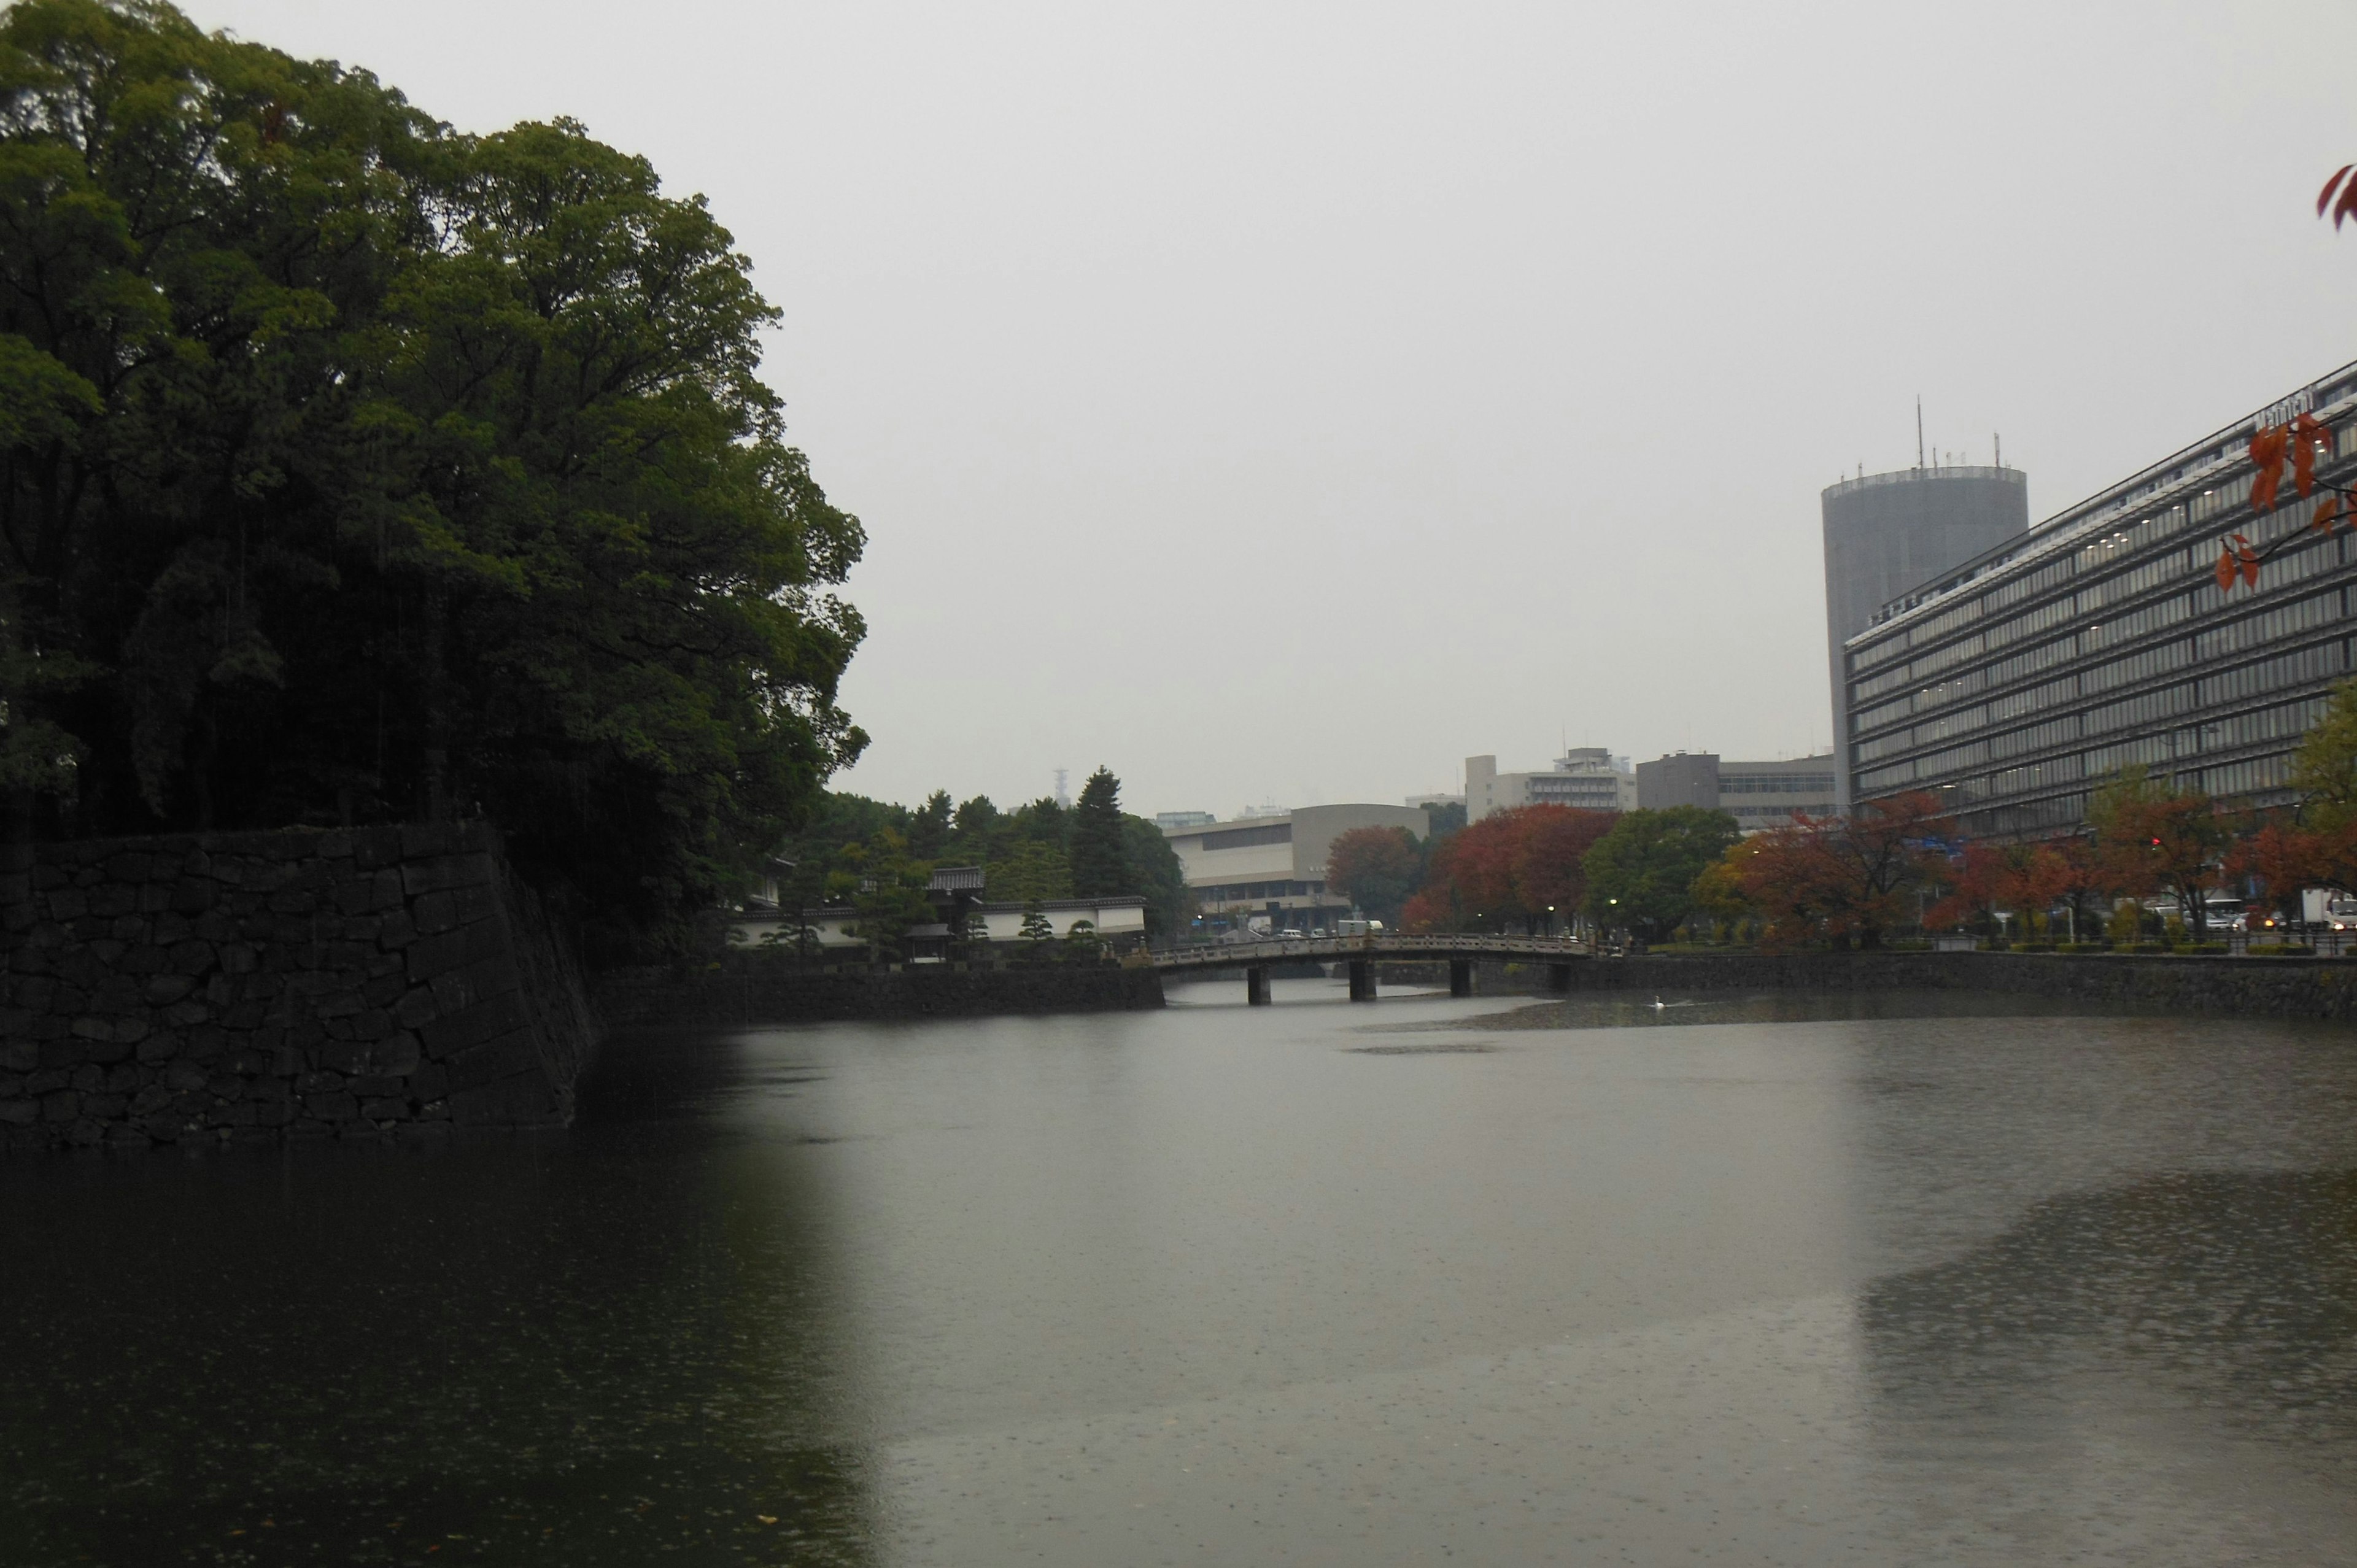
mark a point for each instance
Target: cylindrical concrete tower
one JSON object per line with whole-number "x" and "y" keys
{"x": 1887, "y": 534}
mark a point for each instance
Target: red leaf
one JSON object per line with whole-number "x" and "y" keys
{"x": 2324, "y": 196}
{"x": 2250, "y": 566}
{"x": 2347, "y": 205}
{"x": 2268, "y": 445}
{"x": 2225, "y": 571}
{"x": 2328, "y": 511}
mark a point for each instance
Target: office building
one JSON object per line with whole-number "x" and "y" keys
{"x": 1756, "y": 794}
{"x": 1166, "y": 821}
{"x": 2019, "y": 681}
{"x": 1276, "y": 865}
{"x": 1886, "y": 534}
{"x": 1585, "y": 777}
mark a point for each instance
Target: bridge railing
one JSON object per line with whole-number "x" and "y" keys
{"x": 1389, "y": 945}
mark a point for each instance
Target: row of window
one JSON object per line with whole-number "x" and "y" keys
{"x": 2208, "y": 646}
{"x": 2185, "y": 561}
{"x": 2283, "y": 722}
{"x": 2224, "y": 780}
{"x": 1775, "y": 783}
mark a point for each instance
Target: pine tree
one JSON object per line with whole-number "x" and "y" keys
{"x": 1100, "y": 866}
{"x": 1037, "y": 931}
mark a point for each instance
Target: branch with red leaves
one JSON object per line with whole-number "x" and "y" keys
{"x": 2299, "y": 442}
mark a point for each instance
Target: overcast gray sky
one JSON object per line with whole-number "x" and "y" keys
{"x": 1281, "y": 402}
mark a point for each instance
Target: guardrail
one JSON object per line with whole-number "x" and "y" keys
{"x": 1222, "y": 955}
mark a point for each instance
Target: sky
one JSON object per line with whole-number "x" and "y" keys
{"x": 1278, "y": 403}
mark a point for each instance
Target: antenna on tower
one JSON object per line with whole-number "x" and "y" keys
{"x": 1063, "y": 797}
{"x": 1918, "y": 430}
{"x": 1999, "y": 440}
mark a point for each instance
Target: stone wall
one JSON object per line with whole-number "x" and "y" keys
{"x": 2258, "y": 987}
{"x": 222, "y": 986}
{"x": 762, "y": 988}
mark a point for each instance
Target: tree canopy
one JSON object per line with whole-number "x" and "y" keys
{"x": 354, "y": 469}
{"x": 1642, "y": 874}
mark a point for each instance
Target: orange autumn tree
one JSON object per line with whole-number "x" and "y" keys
{"x": 2153, "y": 837}
{"x": 1853, "y": 877}
{"x": 1985, "y": 879}
{"x": 1507, "y": 870}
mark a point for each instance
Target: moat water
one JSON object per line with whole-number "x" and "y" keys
{"x": 1776, "y": 1280}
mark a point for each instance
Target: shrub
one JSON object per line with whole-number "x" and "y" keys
{"x": 2277, "y": 950}
{"x": 2147, "y": 947}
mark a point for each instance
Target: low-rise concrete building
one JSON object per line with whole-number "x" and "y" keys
{"x": 1758, "y": 795}
{"x": 1586, "y": 778}
{"x": 1276, "y": 865}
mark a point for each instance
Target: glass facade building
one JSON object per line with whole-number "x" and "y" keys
{"x": 2020, "y": 681}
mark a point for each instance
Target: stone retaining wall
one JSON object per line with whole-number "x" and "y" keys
{"x": 220, "y": 986}
{"x": 758, "y": 988}
{"x": 2261, "y": 987}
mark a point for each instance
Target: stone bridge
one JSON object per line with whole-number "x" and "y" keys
{"x": 1362, "y": 953}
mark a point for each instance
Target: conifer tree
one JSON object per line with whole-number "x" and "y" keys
{"x": 1100, "y": 864}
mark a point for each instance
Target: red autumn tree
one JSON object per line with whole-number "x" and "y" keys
{"x": 1375, "y": 868}
{"x": 2153, "y": 837}
{"x": 2070, "y": 873}
{"x": 1551, "y": 842}
{"x": 1986, "y": 878}
{"x": 1508, "y": 869}
{"x": 1851, "y": 877}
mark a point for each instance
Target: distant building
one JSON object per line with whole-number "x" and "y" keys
{"x": 1276, "y": 865}
{"x": 955, "y": 894}
{"x": 1888, "y": 534}
{"x": 2017, "y": 682}
{"x": 1586, "y": 776}
{"x": 1166, "y": 821}
{"x": 1428, "y": 801}
{"x": 1756, "y": 794}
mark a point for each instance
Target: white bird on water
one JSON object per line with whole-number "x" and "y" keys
{"x": 1659, "y": 1004}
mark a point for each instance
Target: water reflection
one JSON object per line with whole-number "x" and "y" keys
{"x": 1864, "y": 1278}
{"x": 601, "y": 1346}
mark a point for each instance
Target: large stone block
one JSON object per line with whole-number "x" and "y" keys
{"x": 502, "y": 1056}
{"x": 331, "y": 1107}
{"x": 62, "y": 1106}
{"x": 163, "y": 990}
{"x": 434, "y": 912}
{"x": 519, "y": 1101}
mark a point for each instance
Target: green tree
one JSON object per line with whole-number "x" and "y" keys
{"x": 1375, "y": 868}
{"x": 1028, "y": 872}
{"x": 1155, "y": 875}
{"x": 1100, "y": 864}
{"x": 356, "y": 469}
{"x": 1641, "y": 872}
{"x": 929, "y": 826}
{"x": 891, "y": 898}
{"x": 2324, "y": 770}
{"x": 1037, "y": 934}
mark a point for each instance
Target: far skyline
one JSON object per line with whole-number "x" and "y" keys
{"x": 1289, "y": 401}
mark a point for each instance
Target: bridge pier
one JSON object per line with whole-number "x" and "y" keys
{"x": 1559, "y": 978}
{"x": 1257, "y": 984}
{"x": 1460, "y": 977}
{"x": 1363, "y": 980}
